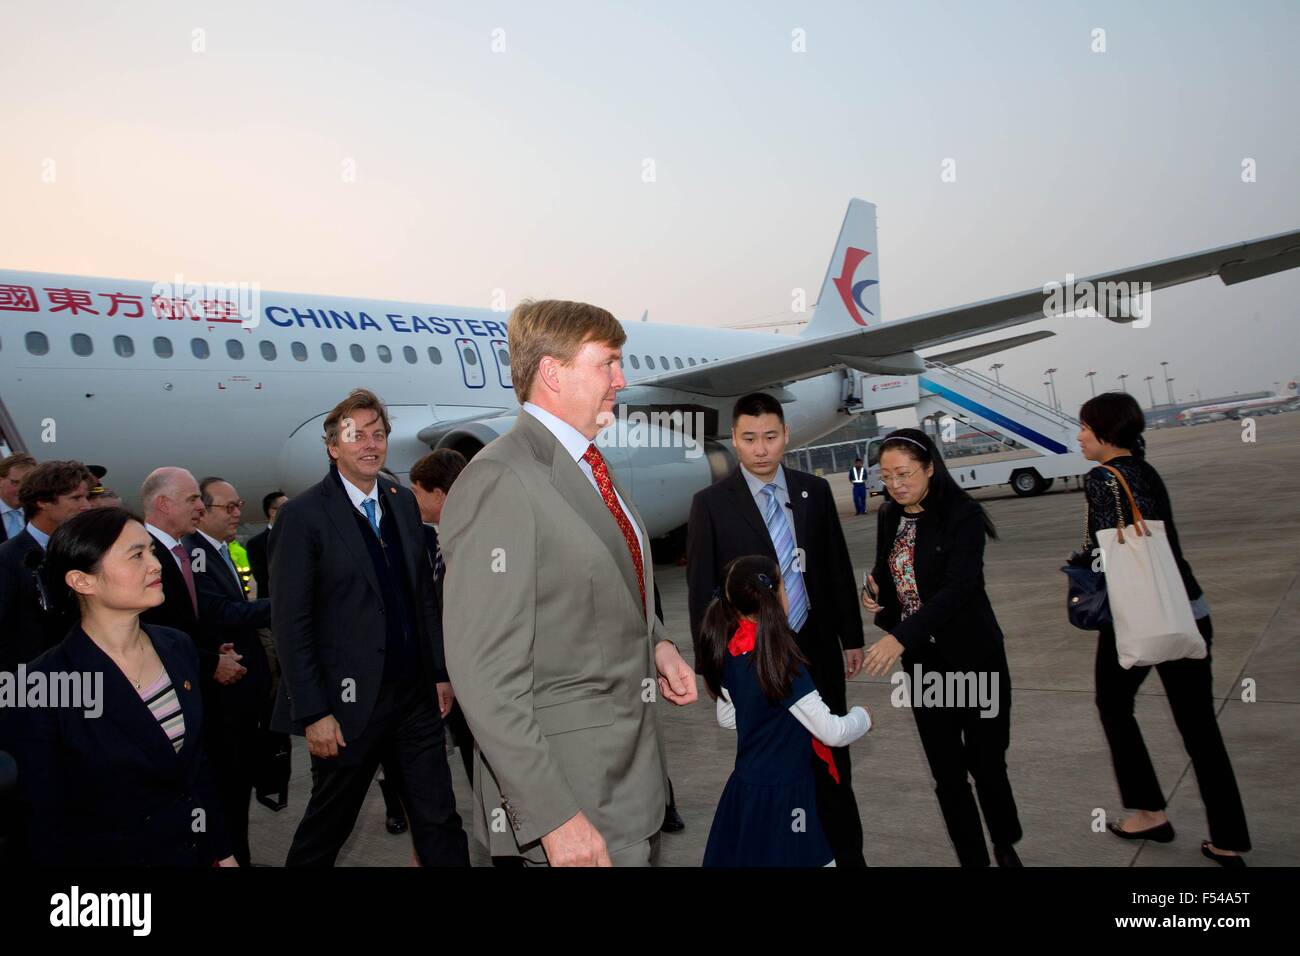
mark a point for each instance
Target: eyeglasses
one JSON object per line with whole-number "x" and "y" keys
{"x": 231, "y": 509}
{"x": 899, "y": 478}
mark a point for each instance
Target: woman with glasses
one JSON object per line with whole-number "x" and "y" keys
{"x": 1110, "y": 433}
{"x": 927, "y": 592}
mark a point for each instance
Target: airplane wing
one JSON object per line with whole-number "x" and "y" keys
{"x": 890, "y": 348}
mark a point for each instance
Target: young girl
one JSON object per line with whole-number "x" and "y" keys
{"x": 767, "y": 815}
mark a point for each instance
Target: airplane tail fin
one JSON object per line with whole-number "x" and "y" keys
{"x": 850, "y": 293}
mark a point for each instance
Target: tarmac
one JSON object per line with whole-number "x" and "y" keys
{"x": 1237, "y": 505}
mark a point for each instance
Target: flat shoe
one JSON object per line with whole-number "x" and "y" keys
{"x": 1161, "y": 834}
{"x": 1232, "y": 862}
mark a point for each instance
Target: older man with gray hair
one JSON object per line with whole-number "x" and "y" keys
{"x": 172, "y": 509}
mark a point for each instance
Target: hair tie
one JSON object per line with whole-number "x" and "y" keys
{"x": 717, "y": 593}
{"x": 764, "y": 580}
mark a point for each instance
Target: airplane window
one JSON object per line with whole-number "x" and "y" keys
{"x": 123, "y": 346}
{"x": 384, "y": 352}
{"x": 37, "y": 343}
{"x": 677, "y": 359}
{"x": 408, "y": 353}
{"x": 649, "y": 361}
{"x": 664, "y": 360}
{"x": 328, "y": 352}
{"x": 358, "y": 353}
{"x": 299, "y": 351}
{"x": 267, "y": 348}
{"x": 435, "y": 356}
{"x": 636, "y": 362}
{"x": 470, "y": 357}
{"x": 162, "y": 346}
{"x": 81, "y": 344}
{"x": 235, "y": 348}
{"x": 690, "y": 361}
{"x": 504, "y": 358}
{"x": 199, "y": 347}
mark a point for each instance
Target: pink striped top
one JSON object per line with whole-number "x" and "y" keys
{"x": 160, "y": 697}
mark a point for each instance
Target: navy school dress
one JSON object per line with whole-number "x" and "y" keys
{"x": 767, "y": 815}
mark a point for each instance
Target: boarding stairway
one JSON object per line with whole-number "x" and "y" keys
{"x": 972, "y": 397}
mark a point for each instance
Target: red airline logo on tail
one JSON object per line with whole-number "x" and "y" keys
{"x": 850, "y": 291}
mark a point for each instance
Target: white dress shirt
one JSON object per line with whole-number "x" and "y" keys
{"x": 816, "y": 717}
{"x": 576, "y": 443}
{"x": 356, "y": 496}
{"x": 38, "y": 535}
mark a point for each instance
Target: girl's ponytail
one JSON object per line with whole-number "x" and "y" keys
{"x": 720, "y": 622}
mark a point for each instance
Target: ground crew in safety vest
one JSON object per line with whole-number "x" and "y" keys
{"x": 858, "y": 476}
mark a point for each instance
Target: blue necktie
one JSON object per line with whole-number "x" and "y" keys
{"x": 13, "y": 522}
{"x": 778, "y": 528}
{"x": 369, "y": 505}
{"x": 225, "y": 554}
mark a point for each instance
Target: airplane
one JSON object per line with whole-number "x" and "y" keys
{"x": 1254, "y": 406}
{"x": 131, "y": 375}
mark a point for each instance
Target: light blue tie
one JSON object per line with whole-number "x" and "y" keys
{"x": 778, "y": 528}
{"x": 13, "y": 522}
{"x": 225, "y": 554}
{"x": 369, "y": 505}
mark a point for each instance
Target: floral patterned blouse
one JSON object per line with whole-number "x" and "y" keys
{"x": 902, "y": 566}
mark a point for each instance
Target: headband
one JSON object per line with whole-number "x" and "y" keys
{"x": 905, "y": 438}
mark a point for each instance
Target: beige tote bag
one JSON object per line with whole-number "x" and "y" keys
{"x": 1148, "y": 601}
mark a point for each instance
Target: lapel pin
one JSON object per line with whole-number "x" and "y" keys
{"x": 186, "y": 685}
{"x": 803, "y": 495}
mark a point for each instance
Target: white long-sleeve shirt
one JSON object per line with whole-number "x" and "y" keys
{"x": 811, "y": 711}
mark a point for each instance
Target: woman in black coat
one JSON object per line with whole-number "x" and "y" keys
{"x": 927, "y": 591}
{"x": 1111, "y": 433}
{"x": 117, "y": 777}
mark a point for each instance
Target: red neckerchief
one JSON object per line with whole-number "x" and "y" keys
{"x": 742, "y": 642}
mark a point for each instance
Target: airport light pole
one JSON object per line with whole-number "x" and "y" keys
{"x": 1149, "y": 391}
{"x": 994, "y": 369}
{"x": 1122, "y": 385}
{"x": 1048, "y": 386}
{"x": 1091, "y": 384}
{"x": 1172, "y": 399}
{"x": 1051, "y": 378}
{"x": 1164, "y": 366}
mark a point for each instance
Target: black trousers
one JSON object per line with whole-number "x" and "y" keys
{"x": 1191, "y": 698}
{"x": 235, "y": 750}
{"x": 406, "y": 733}
{"x": 959, "y": 744}
{"x": 836, "y": 805}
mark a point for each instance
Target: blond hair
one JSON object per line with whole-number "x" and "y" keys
{"x": 556, "y": 328}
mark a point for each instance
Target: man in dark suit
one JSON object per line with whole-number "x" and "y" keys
{"x": 234, "y": 711}
{"x": 359, "y": 634}
{"x": 273, "y": 763}
{"x": 51, "y": 493}
{"x": 12, "y": 471}
{"x": 765, "y": 508}
{"x": 256, "y": 547}
{"x": 172, "y": 509}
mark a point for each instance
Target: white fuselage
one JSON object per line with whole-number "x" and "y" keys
{"x": 140, "y": 388}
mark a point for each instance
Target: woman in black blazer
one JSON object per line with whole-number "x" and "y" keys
{"x": 1110, "y": 433}
{"x": 930, "y": 600}
{"x": 111, "y": 780}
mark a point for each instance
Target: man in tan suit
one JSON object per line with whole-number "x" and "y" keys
{"x": 555, "y": 655}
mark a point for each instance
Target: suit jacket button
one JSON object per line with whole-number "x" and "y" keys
{"x": 932, "y": 640}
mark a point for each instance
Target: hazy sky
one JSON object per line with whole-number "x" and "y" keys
{"x": 386, "y": 149}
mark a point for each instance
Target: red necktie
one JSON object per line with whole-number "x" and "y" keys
{"x": 188, "y": 574}
{"x": 605, "y": 486}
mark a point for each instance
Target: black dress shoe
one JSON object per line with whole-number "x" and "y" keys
{"x": 673, "y": 822}
{"x": 1006, "y": 856}
{"x": 1231, "y": 862}
{"x": 1161, "y": 834}
{"x": 274, "y": 803}
{"x": 395, "y": 825}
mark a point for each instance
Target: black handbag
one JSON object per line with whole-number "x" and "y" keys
{"x": 1086, "y": 602}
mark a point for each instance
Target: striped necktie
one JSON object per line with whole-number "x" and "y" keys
{"x": 778, "y": 528}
